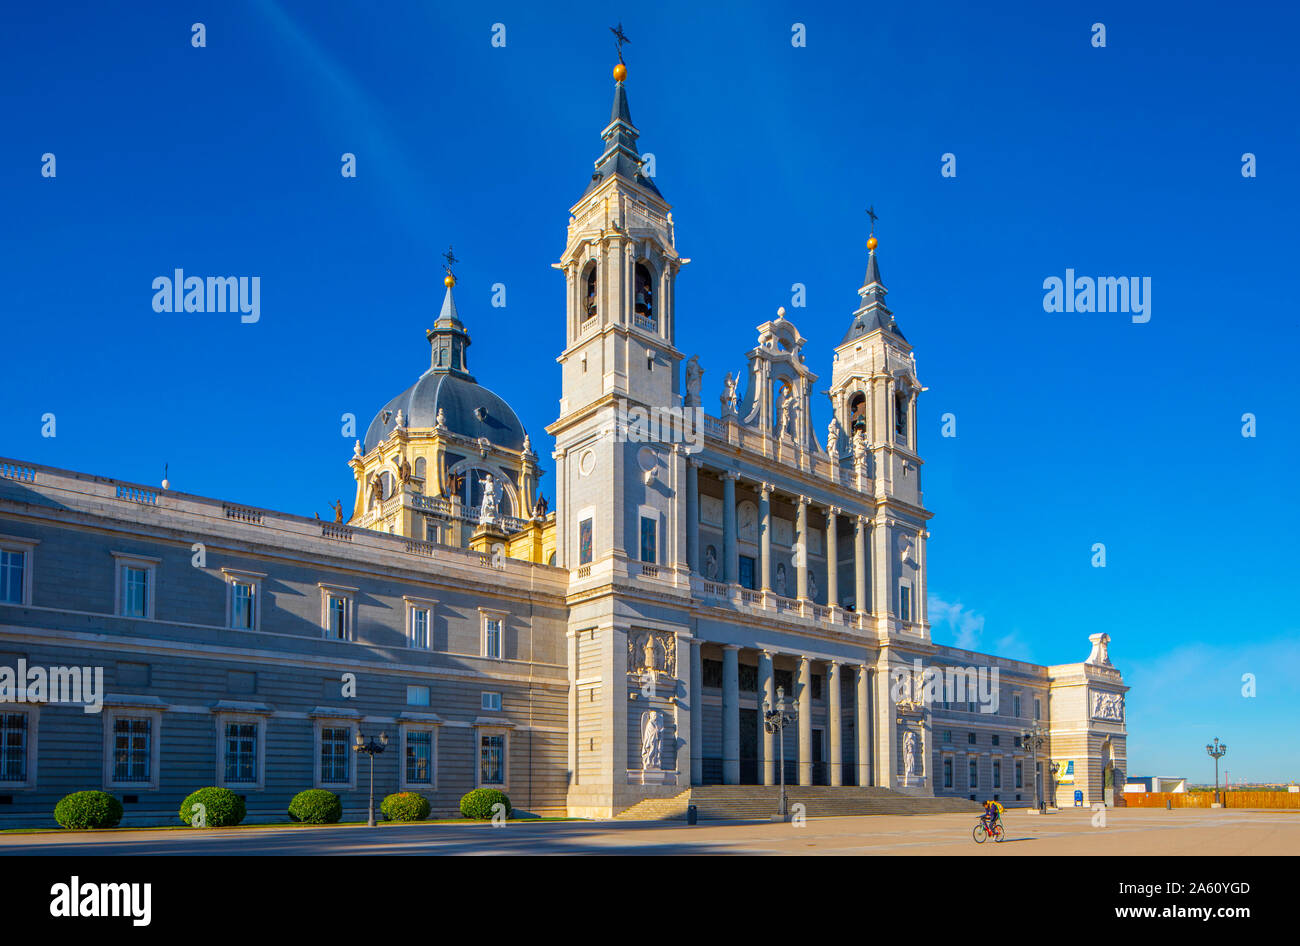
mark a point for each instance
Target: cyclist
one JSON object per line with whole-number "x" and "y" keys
{"x": 992, "y": 815}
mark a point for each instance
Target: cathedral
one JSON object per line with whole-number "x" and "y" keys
{"x": 732, "y": 595}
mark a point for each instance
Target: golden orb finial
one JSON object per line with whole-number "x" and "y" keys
{"x": 871, "y": 242}
{"x": 620, "y": 72}
{"x": 449, "y": 280}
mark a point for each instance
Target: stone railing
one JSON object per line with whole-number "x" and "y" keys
{"x": 13, "y": 471}
{"x": 138, "y": 494}
{"x": 242, "y": 514}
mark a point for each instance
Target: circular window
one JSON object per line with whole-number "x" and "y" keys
{"x": 586, "y": 462}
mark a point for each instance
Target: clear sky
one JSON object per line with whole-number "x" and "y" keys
{"x": 1072, "y": 428}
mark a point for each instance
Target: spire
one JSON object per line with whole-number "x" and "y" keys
{"x": 872, "y": 313}
{"x": 448, "y": 338}
{"x": 620, "y": 157}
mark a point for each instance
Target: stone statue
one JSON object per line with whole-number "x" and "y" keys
{"x": 540, "y": 508}
{"x": 652, "y": 734}
{"x": 813, "y": 590}
{"x": 401, "y": 418}
{"x": 694, "y": 375}
{"x": 780, "y": 579}
{"x": 338, "y": 511}
{"x": 376, "y": 490}
{"x": 442, "y": 418}
{"x": 528, "y": 444}
{"x": 909, "y": 756}
{"x": 710, "y": 563}
{"x": 488, "y": 511}
{"x": 833, "y": 439}
{"x": 356, "y": 449}
{"x": 859, "y": 447}
{"x": 729, "y": 396}
{"x": 404, "y": 471}
{"x": 649, "y": 662}
{"x": 787, "y": 412}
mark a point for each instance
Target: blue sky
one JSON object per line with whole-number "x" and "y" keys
{"x": 1072, "y": 428}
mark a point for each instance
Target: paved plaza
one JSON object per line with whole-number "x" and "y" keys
{"x": 1068, "y": 832}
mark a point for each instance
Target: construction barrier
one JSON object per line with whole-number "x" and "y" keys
{"x": 1206, "y": 799}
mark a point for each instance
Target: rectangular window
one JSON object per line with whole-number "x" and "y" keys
{"x": 417, "y": 696}
{"x": 420, "y": 627}
{"x": 584, "y": 542}
{"x": 13, "y": 566}
{"x": 491, "y": 702}
{"x": 1038, "y": 709}
{"x": 336, "y": 615}
{"x": 241, "y": 752}
{"x": 419, "y": 757}
{"x": 1015, "y": 705}
{"x": 947, "y": 736}
{"x": 996, "y": 739}
{"x": 970, "y": 738}
{"x": 492, "y": 759}
{"x": 243, "y": 600}
{"x": 747, "y": 572}
{"x": 947, "y": 773}
{"x": 492, "y": 637}
{"x": 135, "y": 592}
{"x": 131, "y": 749}
{"x": 997, "y": 773}
{"x": 334, "y": 750}
{"x": 974, "y": 774}
{"x": 1020, "y": 775}
{"x": 13, "y": 747}
{"x": 905, "y": 603}
{"x": 649, "y": 553}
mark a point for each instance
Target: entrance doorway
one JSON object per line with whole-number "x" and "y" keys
{"x": 749, "y": 774}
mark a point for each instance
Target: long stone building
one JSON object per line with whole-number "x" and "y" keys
{"x": 618, "y": 649}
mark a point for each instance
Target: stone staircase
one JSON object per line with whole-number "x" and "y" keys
{"x": 760, "y": 802}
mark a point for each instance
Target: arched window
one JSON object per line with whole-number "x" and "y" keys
{"x": 387, "y": 479}
{"x": 857, "y": 413}
{"x": 644, "y": 297}
{"x": 420, "y": 466}
{"x": 900, "y": 416}
{"x": 589, "y": 300}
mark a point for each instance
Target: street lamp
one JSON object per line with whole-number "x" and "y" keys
{"x": 1033, "y": 739}
{"x": 1216, "y": 752}
{"x": 371, "y": 749}
{"x": 775, "y": 720}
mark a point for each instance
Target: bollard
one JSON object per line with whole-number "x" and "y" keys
{"x": 1169, "y": 804}
{"x": 692, "y": 814}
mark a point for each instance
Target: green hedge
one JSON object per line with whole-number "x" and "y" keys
{"x": 316, "y": 806}
{"x": 88, "y": 810}
{"x": 478, "y": 803}
{"x": 405, "y": 806}
{"x": 224, "y": 808}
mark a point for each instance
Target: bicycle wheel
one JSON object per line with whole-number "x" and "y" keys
{"x": 999, "y": 833}
{"x": 979, "y": 834}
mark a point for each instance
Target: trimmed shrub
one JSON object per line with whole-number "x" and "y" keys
{"x": 405, "y": 806}
{"x": 88, "y": 810}
{"x": 316, "y": 806}
{"x": 224, "y": 808}
{"x": 478, "y": 803}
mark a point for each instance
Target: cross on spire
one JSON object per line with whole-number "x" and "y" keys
{"x": 871, "y": 212}
{"x": 451, "y": 261}
{"x": 619, "y": 39}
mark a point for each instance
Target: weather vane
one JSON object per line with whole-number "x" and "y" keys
{"x": 619, "y": 39}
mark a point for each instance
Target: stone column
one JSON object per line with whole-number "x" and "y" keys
{"x": 765, "y": 539}
{"x": 886, "y": 733}
{"x": 730, "y": 715}
{"x": 834, "y": 711}
{"x": 832, "y": 559}
{"x": 696, "y": 689}
{"x": 860, "y": 564}
{"x": 801, "y": 549}
{"x": 863, "y": 726}
{"x": 805, "y": 721}
{"x": 766, "y": 691}
{"x": 730, "y": 555}
{"x": 693, "y": 515}
{"x": 686, "y": 714}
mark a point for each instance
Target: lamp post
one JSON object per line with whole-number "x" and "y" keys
{"x": 372, "y": 749}
{"x": 775, "y": 720}
{"x": 1216, "y": 751}
{"x": 1034, "y": 739}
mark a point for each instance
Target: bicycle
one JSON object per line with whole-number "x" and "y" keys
{"x": 982, "y": 831}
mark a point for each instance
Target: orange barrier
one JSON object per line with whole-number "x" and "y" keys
{"x": 1232, "y": 799}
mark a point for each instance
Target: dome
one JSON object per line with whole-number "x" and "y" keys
{"x": 470, "y": 410}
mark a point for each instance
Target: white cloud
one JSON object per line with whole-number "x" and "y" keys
{"x": 966, "y": 627}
